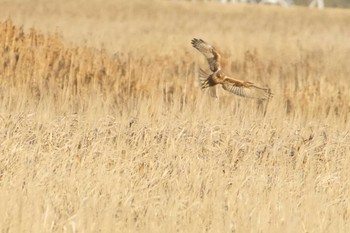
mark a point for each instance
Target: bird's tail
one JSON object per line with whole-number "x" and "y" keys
{"x": 203, "y": 78}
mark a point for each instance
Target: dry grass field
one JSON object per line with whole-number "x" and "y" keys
{"x": 104, "y": 128}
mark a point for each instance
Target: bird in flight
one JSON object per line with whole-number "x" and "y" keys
{"x": 238, "y": 87}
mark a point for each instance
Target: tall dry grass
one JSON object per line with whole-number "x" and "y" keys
{"x": 104, "y": 129}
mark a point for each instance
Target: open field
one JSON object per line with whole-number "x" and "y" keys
{"x": 104, "y": 128}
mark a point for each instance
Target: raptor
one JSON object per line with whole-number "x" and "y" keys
{"x": 217, "y": 76}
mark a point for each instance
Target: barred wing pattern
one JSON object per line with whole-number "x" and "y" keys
{"x": 212, "y": 55}
{"x": 248, "y": 91}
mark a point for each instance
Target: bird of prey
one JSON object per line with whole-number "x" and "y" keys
{"x": 241, "y": 88}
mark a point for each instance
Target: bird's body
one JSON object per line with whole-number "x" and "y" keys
{"x": 241, "y": 88}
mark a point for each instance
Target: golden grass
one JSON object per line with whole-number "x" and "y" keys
{"x": 107, "y": 130}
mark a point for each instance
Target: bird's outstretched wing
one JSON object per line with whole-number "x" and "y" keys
{"x": 246, "y": 89}
{"x": 212, "y": 55}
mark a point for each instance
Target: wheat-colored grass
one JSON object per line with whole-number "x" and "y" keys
{"x": 104, "y": 128}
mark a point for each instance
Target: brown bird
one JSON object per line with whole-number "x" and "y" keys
{"x": 241, "y": 88}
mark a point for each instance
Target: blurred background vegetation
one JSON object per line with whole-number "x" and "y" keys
{"x": 327, "y": 3}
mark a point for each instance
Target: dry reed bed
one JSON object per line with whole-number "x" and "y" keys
{"x": 104, "y": 174}
{"x": 125, "y": 142}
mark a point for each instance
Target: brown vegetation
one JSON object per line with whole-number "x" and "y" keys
{"x": 114, "y": 134}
